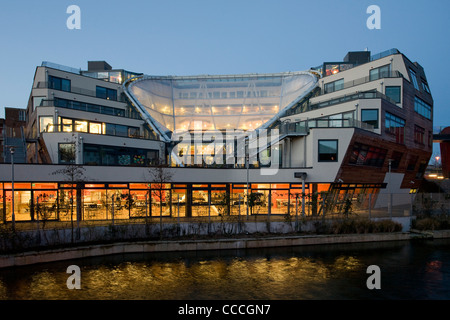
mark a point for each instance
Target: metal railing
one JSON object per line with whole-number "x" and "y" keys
{"x": 88, "y": 107}
{"x": 61, "y": 67}
{"x": 367, "y": 79}
{"x": 350, "y": 97}
{"x": 384, "y": 54}
{"x": 68, "y": 128}
{"x": 338, "y": 100}
{"x": 303, "y": 127}
{"x": 77, "y": 90}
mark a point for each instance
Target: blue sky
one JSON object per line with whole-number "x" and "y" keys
{"x": 175, "y": 37}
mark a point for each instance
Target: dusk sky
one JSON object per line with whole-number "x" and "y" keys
{"x": 179, "y": 37}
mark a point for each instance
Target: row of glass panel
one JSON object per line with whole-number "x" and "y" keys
{"x": 76, "y": 125}
{"x": 96, "y": 202}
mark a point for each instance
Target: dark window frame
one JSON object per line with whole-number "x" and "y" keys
{"x": 108, "y": 94}
{"x": 419, "y": 135}
{"x": 319, "y": 153}
{"x": 399, "y": 100}
{"x": 377, "y": 126}
{"x": 60, "y": 160}
{"x": 398, "y": 129}
{"x": 367, "y": 155}
{"x": 58, "y": 83}
{"x": 331, "y": 86}
{"x": 423, "y": 108}
{"x": 380, "y": 72}
{"x": 414, "y": 81}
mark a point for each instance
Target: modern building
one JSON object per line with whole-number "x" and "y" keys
{"x": 12, "y": 135}
{"x": 223, "y": 144}
{"x": 442, "y": 171}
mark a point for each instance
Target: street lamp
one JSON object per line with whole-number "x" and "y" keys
{"x": 437, "y": 161}
{"x": 13, "y": 217}
{"x": 303, "y": 176}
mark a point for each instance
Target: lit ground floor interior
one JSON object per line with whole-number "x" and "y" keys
{"x": 56, "y": 201}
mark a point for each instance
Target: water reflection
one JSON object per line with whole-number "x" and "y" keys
{"x": 409, "y": 270}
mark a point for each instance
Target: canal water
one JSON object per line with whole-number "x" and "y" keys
{"x": 408, "y": 270}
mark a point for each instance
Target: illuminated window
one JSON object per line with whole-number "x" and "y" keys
{"x": 46, "y": 124}
{"x": 81, "y": 126}
{"x": 95, "y": 128}
{"x": 67, "y": 125}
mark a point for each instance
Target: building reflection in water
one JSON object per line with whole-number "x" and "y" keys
{"x": 324, "y": 272}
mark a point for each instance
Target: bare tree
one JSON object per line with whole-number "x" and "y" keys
{"x": 160, "y": 175}
{"x": 73, "y": 174}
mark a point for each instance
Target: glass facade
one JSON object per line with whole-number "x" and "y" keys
{"x": 334, "y": 86}
{"x": 130, "y": 112}
{"x": 106, "y": 93}
{"x": 102, "y": 155}
{"x": 77, "y": 125}
{"x": 59, "y": 83}
{"x": 395, "y": 126}
{"x": 242, "y": 102}
{"x": 121, "y": 201}
{"x": 422, "y": 108}
{"x": 106, "y": 201}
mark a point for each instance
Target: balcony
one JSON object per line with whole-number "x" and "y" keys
{"x": 303, "y": 127}
{"x": 64, "y": 128}
{"x": 342, "y": 99}
{"x": 360, "y": 81}
{"x": 82, "y": 91}
{"x": 88, "y": 107}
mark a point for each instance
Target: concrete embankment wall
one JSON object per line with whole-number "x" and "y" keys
{"x": 121, "y": 239}
{"x": 36, "y": 257}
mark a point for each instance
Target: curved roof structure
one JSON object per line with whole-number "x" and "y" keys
{"x": 245, "y": 102}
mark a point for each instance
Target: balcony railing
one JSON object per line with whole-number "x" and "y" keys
{"x": 88, "y": 107}
{"x": 86, "y": 92}
{"x": 67, "y": 128}
{"x": 351, "y": 97}
{"x": 367, "y": 79}
{"x": 303, "y": 127}
{"x": 384, "y": 54}
{"x": 305, "y": 107}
